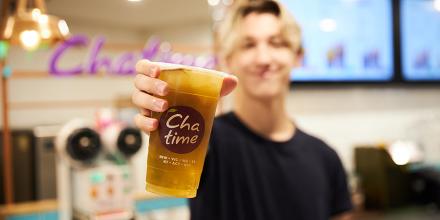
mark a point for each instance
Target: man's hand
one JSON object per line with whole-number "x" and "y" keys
{"x": 148, "y": 89}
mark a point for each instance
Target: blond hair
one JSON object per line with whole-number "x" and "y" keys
{"x": 226, "y": 36}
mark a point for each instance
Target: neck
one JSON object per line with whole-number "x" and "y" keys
{"x": 267, "y": 118}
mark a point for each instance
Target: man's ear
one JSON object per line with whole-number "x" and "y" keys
{"x": 299, "y": 57}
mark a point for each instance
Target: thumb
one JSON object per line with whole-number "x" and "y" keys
{"x": 229, "y": 84}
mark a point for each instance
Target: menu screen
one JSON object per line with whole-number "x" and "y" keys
{"x": 420, "y": 34}
{"x": 344, "y": 40}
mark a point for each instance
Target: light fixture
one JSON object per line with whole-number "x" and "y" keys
{"x": 404, "y": 152}
{"x": 28, "y": 27}
{"x": 30, "y": 39}
{"x": 134, "y": 0}
{"x": 33, "y": 27}
{"x": 213, "y": 2}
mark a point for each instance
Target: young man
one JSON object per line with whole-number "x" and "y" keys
{"x": 259, "y": 164}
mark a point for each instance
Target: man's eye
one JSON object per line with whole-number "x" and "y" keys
{"x": 247, "y": 45}
{"x": 278, "y": 43}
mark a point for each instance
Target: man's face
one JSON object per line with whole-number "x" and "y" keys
{"x": 262, "y": 61}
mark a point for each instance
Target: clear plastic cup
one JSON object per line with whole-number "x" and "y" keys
{"x": 177, "y": 149}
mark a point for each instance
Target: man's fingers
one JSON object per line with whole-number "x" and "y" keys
{"x": 229, "y": 84}
{"x": 145, "y": 112}
{"x": 146, "y": 101}
{"x": 148, "y": 68}
{"x": 145, "y": 124}
{"x": 150, "y": 85}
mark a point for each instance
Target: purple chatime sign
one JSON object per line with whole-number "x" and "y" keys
{"x": 123, "y": 64}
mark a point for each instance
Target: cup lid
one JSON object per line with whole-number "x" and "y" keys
{"x": 172, "y": 66}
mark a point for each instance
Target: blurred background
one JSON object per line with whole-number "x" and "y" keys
{"x": 369, "y": 86}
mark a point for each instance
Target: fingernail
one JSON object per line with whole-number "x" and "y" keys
{"x": 158, "y": 104}
{"x": 152, "y": 71}
{"x": 149, "y": 123}
{"x": 161, "y": 88}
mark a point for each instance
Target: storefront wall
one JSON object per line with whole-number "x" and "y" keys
{"x": 344, "y": 116}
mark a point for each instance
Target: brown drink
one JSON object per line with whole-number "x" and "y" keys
{"x": 177, "y": 149}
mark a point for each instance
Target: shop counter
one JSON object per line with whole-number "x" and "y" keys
{"x": 145, "y": 204}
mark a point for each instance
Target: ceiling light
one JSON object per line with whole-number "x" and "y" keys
{"x": 45, "y": 33}
{"x": 43, "y": 19}
{"x": 213, "y": 2}
{"x": 64, "y": 29}
{"x": 32, "y": 27}
{"x": 36, "y": 13}
{"x": 30, "y": 39}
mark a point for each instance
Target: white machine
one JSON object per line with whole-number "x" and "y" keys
{"x": 94, "y": 174}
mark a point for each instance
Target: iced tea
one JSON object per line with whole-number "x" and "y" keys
{"x": 177, "y": 149}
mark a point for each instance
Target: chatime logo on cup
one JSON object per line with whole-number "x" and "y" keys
{"x": 181, "y": 129}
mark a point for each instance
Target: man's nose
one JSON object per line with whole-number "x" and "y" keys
{"x": 263, "y": 55}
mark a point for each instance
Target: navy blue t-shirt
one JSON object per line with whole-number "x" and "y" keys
{"x": 247, "y": 176}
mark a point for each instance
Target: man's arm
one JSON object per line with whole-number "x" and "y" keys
{"x": 341, "y": 201}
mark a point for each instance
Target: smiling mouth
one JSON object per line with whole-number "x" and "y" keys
{"x": 265, "y": 74}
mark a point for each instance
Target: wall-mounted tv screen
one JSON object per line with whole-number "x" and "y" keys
{"x": 420, "y": 40}
{"x": 344, "y": 40}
